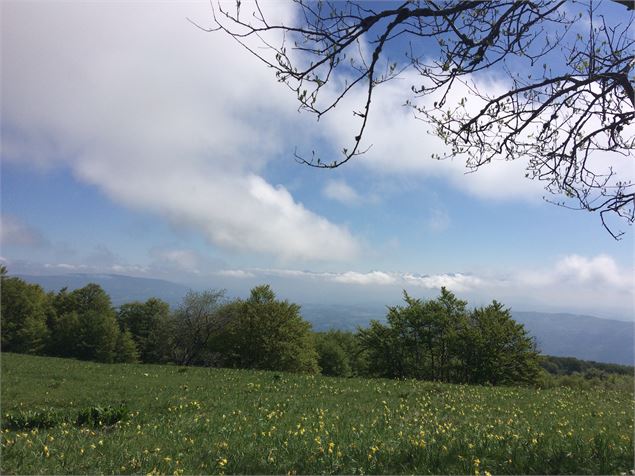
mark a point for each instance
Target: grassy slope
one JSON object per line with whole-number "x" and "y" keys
{"x": 195, "y": 420}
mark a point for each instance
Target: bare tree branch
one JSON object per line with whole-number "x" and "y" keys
{"x": 568, "y": 111}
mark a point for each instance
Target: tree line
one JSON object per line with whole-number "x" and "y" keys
{"x": 438, "y": 339}
{"x": 586, "y": 368}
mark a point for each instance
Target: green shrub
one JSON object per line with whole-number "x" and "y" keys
{"x": 101, "y": 416}
{"x": 28, "y": 419}
{"x": 96, "y": 416}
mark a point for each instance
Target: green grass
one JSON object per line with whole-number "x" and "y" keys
{"x": 175, "y": 420}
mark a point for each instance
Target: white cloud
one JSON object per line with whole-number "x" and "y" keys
{"x": 600, "y": 268}
{"x": 573, "y": 271}
{"x": 599, "y": 272}
{"x": 401, "y": 144}
{"x": 129, "y": 269}
{"x": 586, "y": 285}
{"x": 455, "y": 282}
{"x": 66, "y": 266}
{"x": 48, "y": 268}
{"x": 161, "y": 117}
{"x": 596, "y": 284}
{"x": 340, "y": 191}
{"x": 572, "y": 283}
{"x": 373, "y": 277}
{"x": 236, "y": 273}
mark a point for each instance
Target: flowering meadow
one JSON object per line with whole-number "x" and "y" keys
{"x": 69, "y": 417}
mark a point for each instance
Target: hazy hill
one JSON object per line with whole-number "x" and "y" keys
{"x": 583, "y": 337}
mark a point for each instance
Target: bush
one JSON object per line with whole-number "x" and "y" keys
{"x": 101, "y": 416}
{"x": 332, "y": 358}
{"x": 28, "y": 419}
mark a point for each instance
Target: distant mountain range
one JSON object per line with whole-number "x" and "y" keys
{"x": 584, "y": 337}
{"x": 566, "y": 335}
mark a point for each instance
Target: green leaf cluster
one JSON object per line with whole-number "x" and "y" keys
{"x": 265, "y": 333}
{"x": 441, "y": 340}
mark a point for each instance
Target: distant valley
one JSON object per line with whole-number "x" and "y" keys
{"x": 583, "y": 337}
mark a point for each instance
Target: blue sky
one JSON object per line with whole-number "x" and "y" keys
{"x": 164, "y": 151}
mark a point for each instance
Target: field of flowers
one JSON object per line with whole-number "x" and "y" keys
{"x": 69, "y": 417}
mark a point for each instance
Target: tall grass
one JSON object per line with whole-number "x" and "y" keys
{"x": 176, "y": 420}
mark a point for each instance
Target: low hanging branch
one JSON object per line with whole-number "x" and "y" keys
{"x": 571, "y": 121}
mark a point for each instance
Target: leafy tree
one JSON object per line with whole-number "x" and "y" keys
{"x": 98, "y": 336}
{"x": 161, "y": 346}
{"x": 126, "y": 348}
{"x": 23, "y": 309}
{"x": 419, "y": 340}
{"x": 332, "y": 362}
{"x": 265, "y": 333}
{"x": 381, "y": 346}
{"x": 142, "y": 319}
{"x": 446, "y": 317}
{"x": 64, "y": 302}
{"x": 440, "y": 340}
{"x": 85, "y": 325}
{"x": 333, "y": 358}
{"x": 567, "y": 98}
{"x": 497, "y": 349}
{"x": 65, "y": 330}
{"x": 193, "y": 326}
{"x": 63, "y": 324}
{"x": 98, "y": 330}
{"x": 91, "y": 298}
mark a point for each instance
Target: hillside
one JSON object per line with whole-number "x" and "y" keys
{"x": 583, "y": 337}
{"x": 88, "y": 418}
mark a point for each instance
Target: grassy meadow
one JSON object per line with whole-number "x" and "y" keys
{"x": 70, "y": 417}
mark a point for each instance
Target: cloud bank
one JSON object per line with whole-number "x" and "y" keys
{"x": 573, "y": 282}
